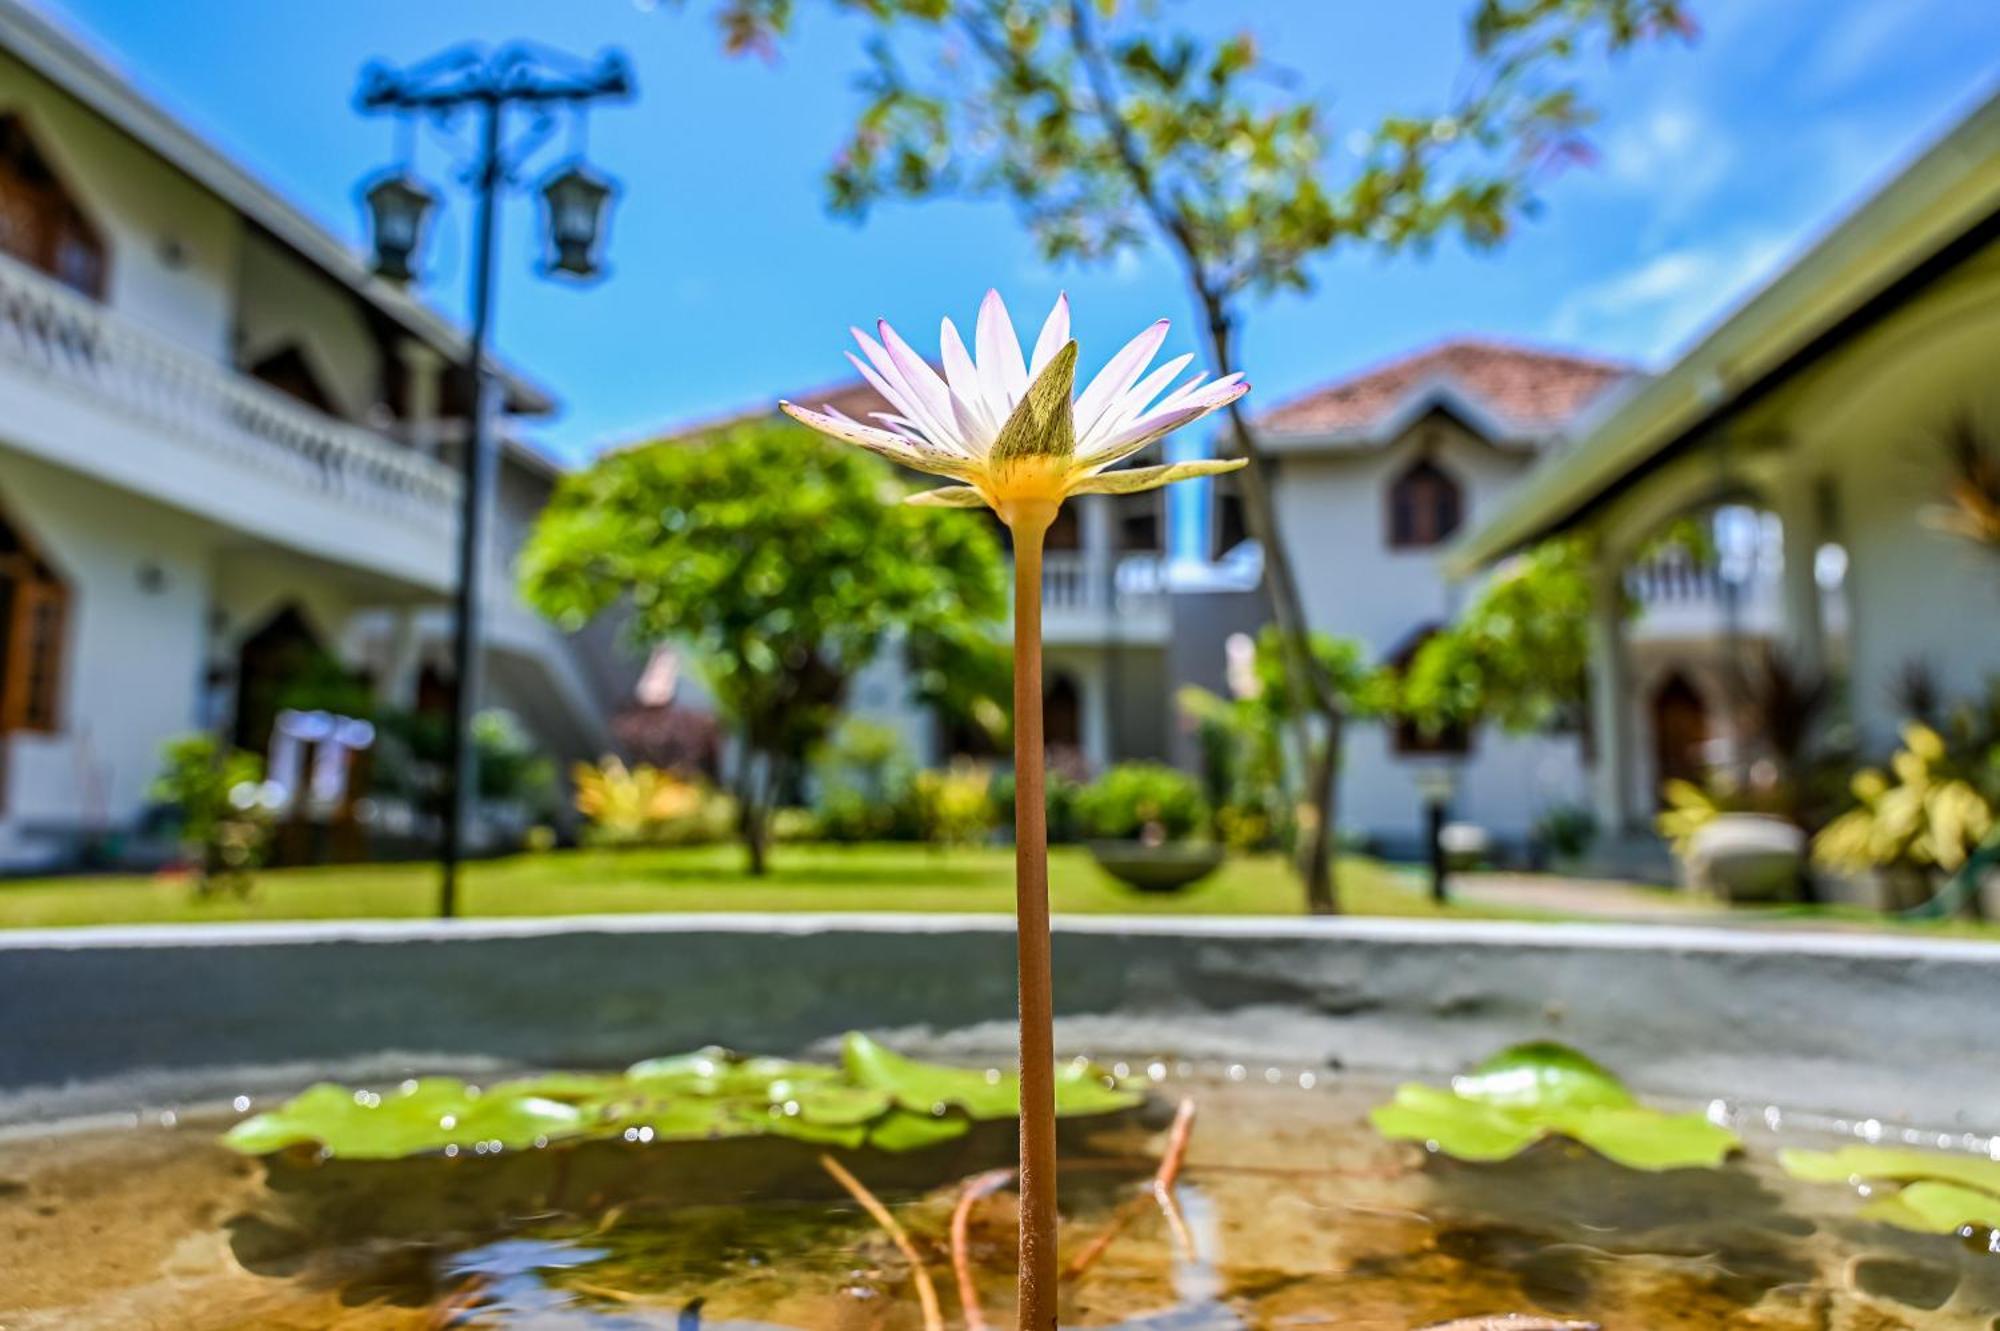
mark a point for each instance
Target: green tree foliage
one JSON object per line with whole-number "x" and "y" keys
{"x": 1107, "y": 128}
{"x": 217, "y": 792}
{"x": 1518, "y": 655}
{"x": 1257, "y": 796}
{"x": 785, "y": 564}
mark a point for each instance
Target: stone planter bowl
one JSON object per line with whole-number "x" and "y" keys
{"x": 1165, "y": 868}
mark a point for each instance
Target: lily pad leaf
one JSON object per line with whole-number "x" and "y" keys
{"x": 875, "y": 1098}
{"x": 1851, "y": 1164}
{"x": 434, "y": 1114}
{"x": 1543, "y": 1075}
{"x": 905, "y": 1130}
{"x": 1930, "y": 1207}
{"x": 1942, "y": 1192}
{"x": 1081, "y": 1088}
{"x": 1533, "y": 1091}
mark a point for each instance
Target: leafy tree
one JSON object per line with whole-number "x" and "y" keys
{"x": 1107, "y": 127}
{"x": 1518, "y": 654}
{"x": 1257, "y": 792}
{"x": 776, "y": 559}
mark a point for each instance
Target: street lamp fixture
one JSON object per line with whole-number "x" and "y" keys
{"x": 544, "y": 83}
{"x": 398, "y": 208}
{"x": 576, "y": 202}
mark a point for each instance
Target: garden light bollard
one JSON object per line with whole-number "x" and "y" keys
{"x": 1018, "y": 440}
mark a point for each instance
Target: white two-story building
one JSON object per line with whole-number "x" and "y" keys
{"x": 227, "y": 457}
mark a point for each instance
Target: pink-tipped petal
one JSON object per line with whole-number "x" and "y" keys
{"x": 904, "y": 452}
{"x": 968, "y": 401}
{"x": 1001, "y": 370}
{"x": 1155, "y": 425}
{"x": 1118, "y": 375}
{"x": 1055, "y": 332}
{"x": 931, "y": 395}
{"x": 1135, "y": 402}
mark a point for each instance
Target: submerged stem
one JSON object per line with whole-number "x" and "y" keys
{"x": 1038, "y": 1287}
{"x": 926, "y": 1291}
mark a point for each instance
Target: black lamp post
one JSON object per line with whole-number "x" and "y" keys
{"x": 517, "y": 76}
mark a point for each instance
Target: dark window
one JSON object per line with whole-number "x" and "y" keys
{"x": 1139, "y": 524}
{"x": 1425, "y": 507}
{"x": 34, "y": 610}
{"x": 40, "y": 224}
{"x": 1231, "y": 526}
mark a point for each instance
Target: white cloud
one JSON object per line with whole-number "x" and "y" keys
{"x": 1652, "y": 310}
{"x": 1674, "y": 156}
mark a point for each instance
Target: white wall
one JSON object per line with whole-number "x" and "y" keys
{"x": 173, "y": 247}
{"x": 134, "y": 657}
{"x": 1872, "y": 420}
{"x": 286, "y": 301}
{"x": 1333, "y": 510}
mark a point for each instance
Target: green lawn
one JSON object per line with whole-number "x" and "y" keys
{"x": 802, "y": 878}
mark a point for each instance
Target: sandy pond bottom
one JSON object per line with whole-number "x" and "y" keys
{"x": 1296, "y": 1215}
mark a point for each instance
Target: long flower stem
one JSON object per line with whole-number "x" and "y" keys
{"x": 1038, "y": 1287}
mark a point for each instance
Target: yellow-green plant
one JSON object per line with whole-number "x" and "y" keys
{"x": 224, "y": 823}
{"x": 956, "y": 803}
{"x": 634, "y": 805}
{"x": 1689, "y": 809}
{"x": 1919, "y": 814}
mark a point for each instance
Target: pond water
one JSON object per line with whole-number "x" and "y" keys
{"x": 1293, "y": 1213}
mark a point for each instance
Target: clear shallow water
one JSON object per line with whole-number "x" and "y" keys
{"x": 1298, "y": 1214}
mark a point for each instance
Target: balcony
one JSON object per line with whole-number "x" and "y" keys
{"x": 1681, "y": 598}
{"x": 1090, "y": 599}
{"x": 90, "y": 391}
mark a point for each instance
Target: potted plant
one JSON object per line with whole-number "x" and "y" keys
{"x": 1141, "y": 819}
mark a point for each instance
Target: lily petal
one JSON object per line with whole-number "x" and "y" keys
{"x": 1042, "y": 425}
{"x": 1134, "y": 479}
{"x": 1118, "y": 375}
{"x": 948, "y": 496}
{"x": 1055, "y": 332}
{"x": 1132, "y": 406}
{"x": 1157, "y": 423}
{"x": 1001, "y": 369}
{"x": 968, "y": 400}
{"x": 898, "y": 449}
{"x": 932, "y": 396}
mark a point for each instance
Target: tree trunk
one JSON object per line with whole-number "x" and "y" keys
{"x": 752, "y": 817}
{"x": 1308, "y": 694}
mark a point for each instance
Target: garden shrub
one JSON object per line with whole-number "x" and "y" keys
{"x": 218, "y": 793}
{"x": 1142, "y": 801}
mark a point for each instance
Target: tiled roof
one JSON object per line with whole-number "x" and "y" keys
{"x": 1531, "y": 390}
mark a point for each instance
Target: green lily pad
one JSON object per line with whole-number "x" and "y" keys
{"x": 434, "y": 1114}
{"x": 1081, "y": 1088}
{"x": 874, "y": 1098}
{"x": 1533, "y": 1091}
{"x": 1941, "y": 1192}
{"x": 1892, "y": 1164}
{"x": 1928, "y": 1207}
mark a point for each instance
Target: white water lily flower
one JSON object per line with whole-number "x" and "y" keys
{"x": 1007, "y": 428}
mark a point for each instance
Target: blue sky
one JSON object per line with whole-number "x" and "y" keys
{"x": 731, "y": 284}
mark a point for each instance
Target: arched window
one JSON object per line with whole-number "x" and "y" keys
{"x": 1425, "y": 507}
{"x": 34, "y": 609}
{"x": 40, "y": 224}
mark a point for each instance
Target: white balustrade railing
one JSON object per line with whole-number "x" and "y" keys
{"x": 115, "y": 365}
{"x": 1073, "y": 582}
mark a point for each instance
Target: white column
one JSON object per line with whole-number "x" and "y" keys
{"x": 423, "y": 372}
{"x": 1611, "y": 702}
{"x": 1095, "y": 683}
{"x": 1796, "y": 501}
{"x": 1094, "y": 524}
{"x": 403, "y": 660}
